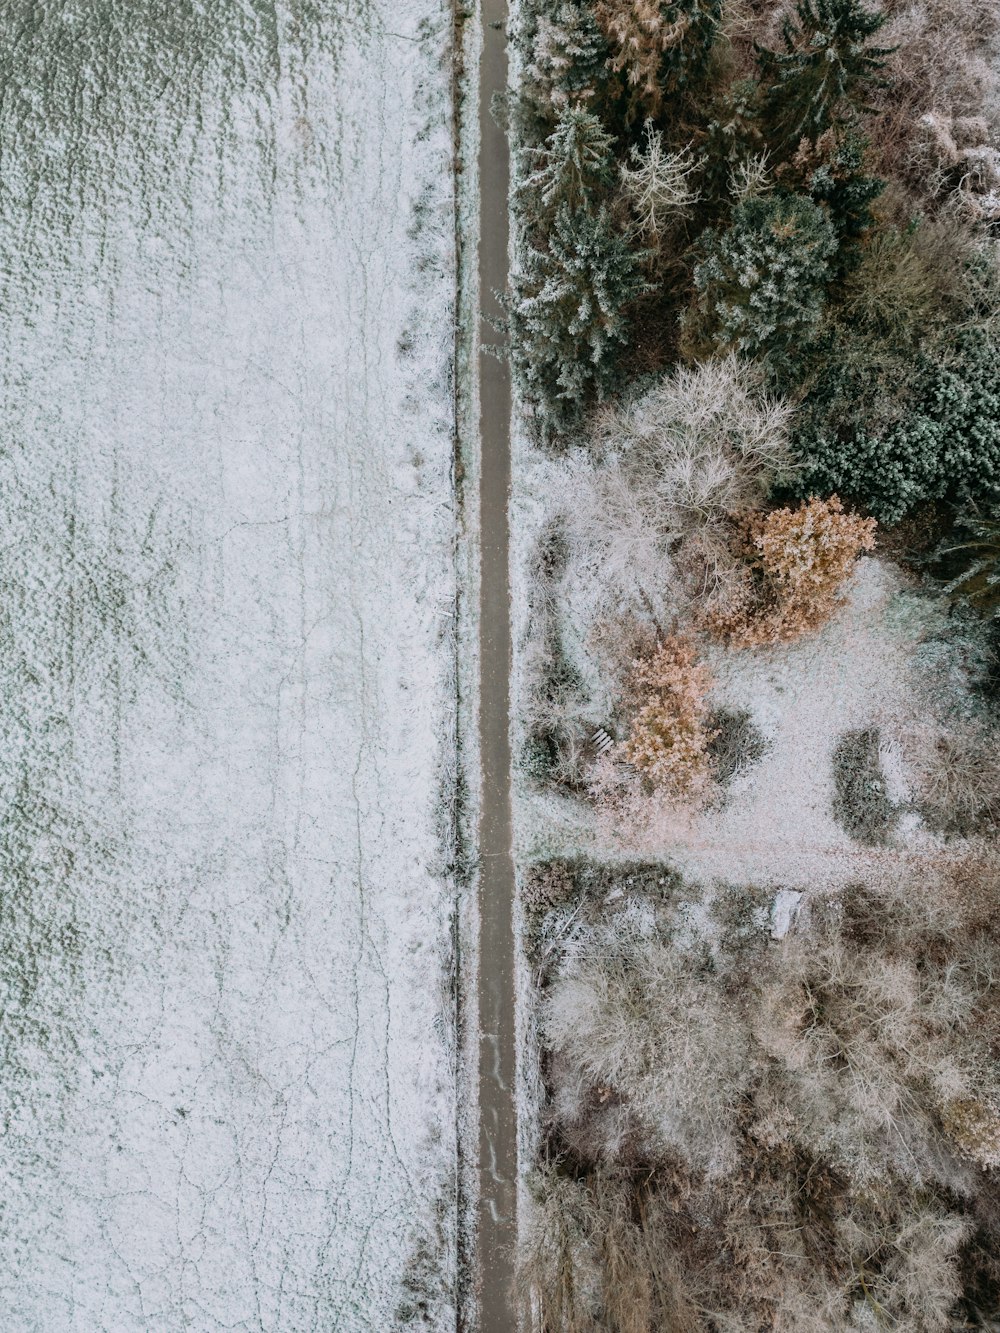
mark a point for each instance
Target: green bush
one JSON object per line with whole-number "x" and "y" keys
{"x": 941, "y": 439}
{"x": 761, "y": 285}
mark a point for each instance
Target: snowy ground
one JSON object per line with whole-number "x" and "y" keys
{"x": 228, "y": 1093}
{"x": 887, "y": 660}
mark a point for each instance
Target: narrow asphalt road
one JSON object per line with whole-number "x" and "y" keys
{"x": 498, "y": 1119}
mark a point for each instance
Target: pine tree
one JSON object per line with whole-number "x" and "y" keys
{"x": 575, "y": 163}
{"x": 826, "y": 69}
{"x": 567, "y": 320}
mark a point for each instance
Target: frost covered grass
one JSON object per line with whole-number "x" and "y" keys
{"x": 225, "y": 489}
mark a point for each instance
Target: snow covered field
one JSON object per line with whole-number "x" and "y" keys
{"x": 226, "y": 514}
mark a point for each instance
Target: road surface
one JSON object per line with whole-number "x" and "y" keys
{"x": 498, "y": 1124}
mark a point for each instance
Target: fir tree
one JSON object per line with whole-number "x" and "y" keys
{"x": 826, "y": 69}
{"x": 575, "y": 163}
{"x": 567, "y": 317}
{"x": 659, "y": 46}
{"x": 733, "y": 138}
{"x": 570, "y": 57}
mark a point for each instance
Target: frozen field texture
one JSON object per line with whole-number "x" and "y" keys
{"x": 226, "y": 514}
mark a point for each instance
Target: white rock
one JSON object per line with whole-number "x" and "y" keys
{"x": 784, "y": 910}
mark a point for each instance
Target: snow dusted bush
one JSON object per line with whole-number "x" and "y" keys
{"x": 941, "y": 438}
{"x": 799, "y": 560}
{"x": 668, "y": 737}
{"x": 942, "y": 62}
{"x": 974, "y": 1126}
{"x": 655, "y": 514}
{"x": 592, "y": 1259}
{"x": 861, "y": 802}
{"x": 956, "y": 772}
{"x": 804, "y": 1129}
{"x": 638, "y": 1017}
{"x": 736, "y": 743}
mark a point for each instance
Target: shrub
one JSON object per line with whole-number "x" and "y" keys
{"x": 668, "y": 738}
{"x": 659, "y": 45}
{"x": 861, "y": 803}
{"x": 761, "y": 283}
{"x": 808, "y": 1118}
{"x": 956, "y": 773}
{"x": 976, "y": 552}
{"x": 974, "y": 1125}
{"x": 655, "y": 517}
{"x": 942, "y": 440}
{"x": 799, "y": 559}
{"x": 942, "y": 61}
{"x": 826, "y": 71}
{"x": 737, "y": 743}
{"x": 558, "y": 1273}
{"x": 910, "y": 282}
{"x": 644, "y": 1021}
{"x": 593, "y": 1257}
{"x": 567, "y": 313}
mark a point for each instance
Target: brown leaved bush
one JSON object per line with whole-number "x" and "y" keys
{"x": 798, "y": 562}
{"x": 668, "y": 740}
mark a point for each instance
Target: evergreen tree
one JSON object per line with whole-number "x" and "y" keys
{"x": 831, "y": 172}
{"x": 569, "y": 57}
{"x": 567, "y": 319}
{"x": 761, "y": 284}
{"x": 659, "y": 45}
{"x": 575, "y": 163}
{"x": 826, "y": 68}
{"x": 733, "y": 138}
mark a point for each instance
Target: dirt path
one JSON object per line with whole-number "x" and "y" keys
{"x": 498, "y": 1123}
